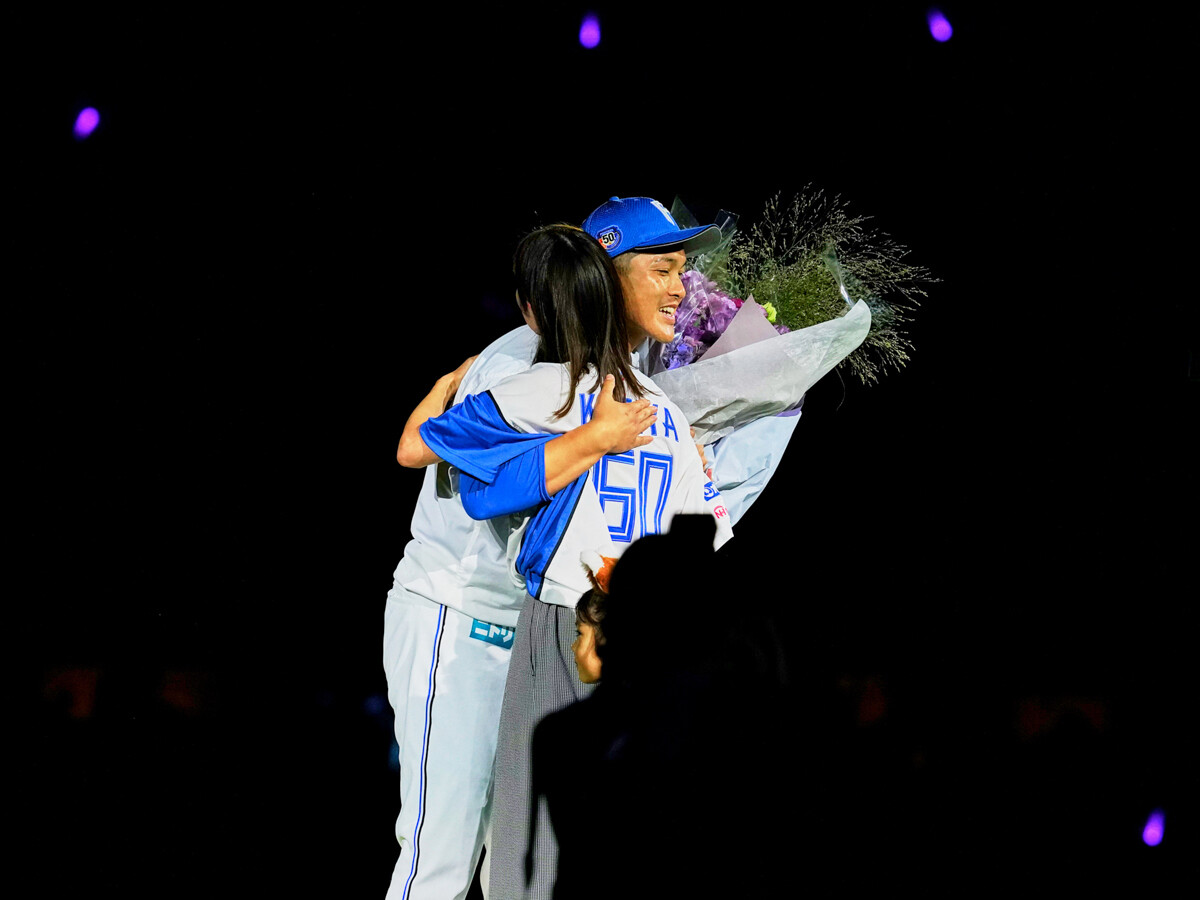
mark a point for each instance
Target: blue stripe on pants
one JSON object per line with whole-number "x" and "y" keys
{"x": 437, "y": 640}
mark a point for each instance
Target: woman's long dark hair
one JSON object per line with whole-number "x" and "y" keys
{"x": 572, "y": 285}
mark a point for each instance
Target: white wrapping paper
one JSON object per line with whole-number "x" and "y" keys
{"x": 758, "y": 373}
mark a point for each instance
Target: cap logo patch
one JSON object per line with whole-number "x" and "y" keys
{"x": 610, "y": 238}
{"x": 662, "y": 209}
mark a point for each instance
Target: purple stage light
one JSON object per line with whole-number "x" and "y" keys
{"x": 939, "y": 26}
{"x": 589, "y": 31}
{"x": 86, "y": 122}
{"x": 1152, "y": 834}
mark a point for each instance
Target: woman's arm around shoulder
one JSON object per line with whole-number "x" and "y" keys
{"x": 413, "y": 453}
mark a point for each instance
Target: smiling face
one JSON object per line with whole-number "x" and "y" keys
{"x": 653, "y": 291}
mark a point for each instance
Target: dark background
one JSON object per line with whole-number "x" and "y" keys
{"x": 287, "y": 226}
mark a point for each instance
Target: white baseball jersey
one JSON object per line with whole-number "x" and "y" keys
{"x": 620, "y": 499}
{"x": 450, "y": 615}
{"x": 462, "y": 563}
{"x": 453, "y": 559}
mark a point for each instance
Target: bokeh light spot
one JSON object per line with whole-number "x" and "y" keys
{"x": 86, "y": 122}
{"x": 1152, "y": 834}
{"x": 589, "y": 31}
{"x": 939, "y": 26}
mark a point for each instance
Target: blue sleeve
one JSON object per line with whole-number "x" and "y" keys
{"x": 519, "y": 484}
{"x": 475, "y": 438}
{"x": 744, "y": 460}
{"x": 501, "y": 470}
{"x": 544, "y": 535}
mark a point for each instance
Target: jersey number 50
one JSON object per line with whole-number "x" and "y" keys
{"x": 640, "y": 483}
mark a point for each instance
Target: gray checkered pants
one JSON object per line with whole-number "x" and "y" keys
{"x": 541, "y": 679}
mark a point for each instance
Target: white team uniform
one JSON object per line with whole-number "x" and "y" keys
{"x": 447, "y": 639}
{"x": 620, "y": 499}
{"x": 449, "y": 618}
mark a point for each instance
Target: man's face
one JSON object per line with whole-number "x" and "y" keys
{"x": 653, "y": 290}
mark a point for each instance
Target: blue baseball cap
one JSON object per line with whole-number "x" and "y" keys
{"x": 639, "y": 223}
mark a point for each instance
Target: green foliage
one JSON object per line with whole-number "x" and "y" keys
{"x": 807, "y": 257}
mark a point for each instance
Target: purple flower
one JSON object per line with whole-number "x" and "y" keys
{"x": 679, "y": 352}
{"x": 722, "y": 314}
{"x": 700, "y": 320}
{"x": 692, "y": 280}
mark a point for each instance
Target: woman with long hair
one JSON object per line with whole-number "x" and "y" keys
{"x": 546, "y": 455}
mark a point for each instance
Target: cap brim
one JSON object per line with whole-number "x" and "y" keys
{"x": 690, "y": 240}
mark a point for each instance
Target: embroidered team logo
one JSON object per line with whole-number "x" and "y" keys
{"x": 610, "y": 238}
{"x": 720, "y": 512}
{"x": 492, "y": 634}
{"x": 662, "y": 209}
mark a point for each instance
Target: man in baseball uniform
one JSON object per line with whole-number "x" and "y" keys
{"x": 451, "y": 613}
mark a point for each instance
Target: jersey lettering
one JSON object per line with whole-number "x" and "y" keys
{"x": 654, "y": 483}
{"x": 633, "y": 488}
{"x": 607, "y": 485}
{"x": 587, "y": 402}
{"x": 492, "y": 634}
{"x": 669, "y": 425}
{"x": 587, "y": 408}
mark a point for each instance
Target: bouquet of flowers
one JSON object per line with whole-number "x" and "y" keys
{"x": 829, "y": 292}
